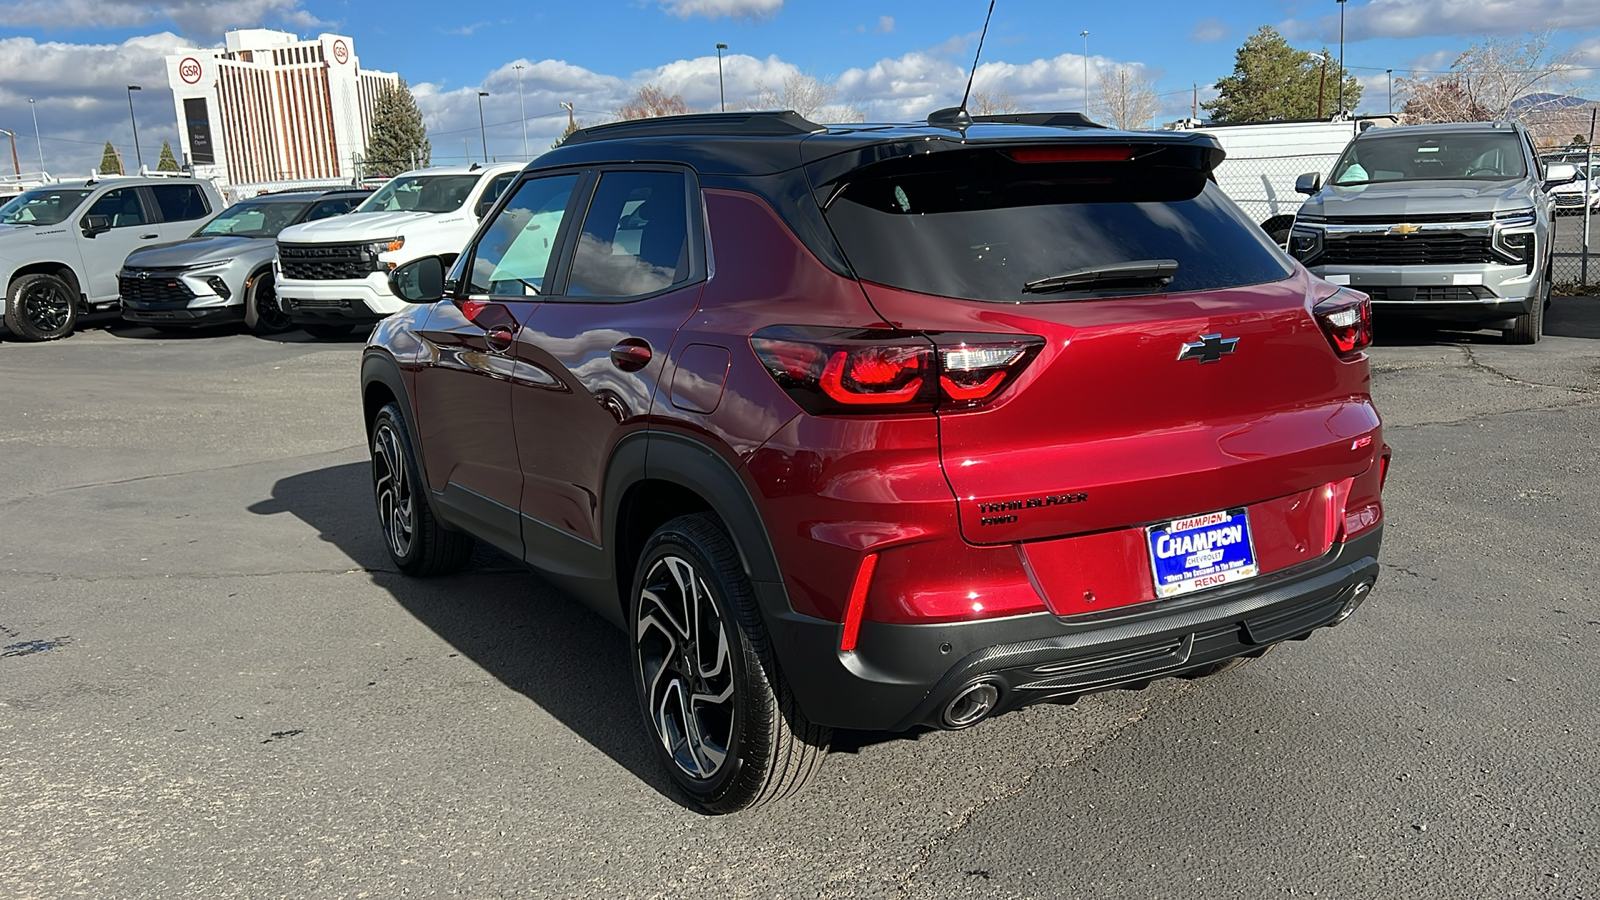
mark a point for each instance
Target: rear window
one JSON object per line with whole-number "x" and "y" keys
{"x": 978, "y": 226}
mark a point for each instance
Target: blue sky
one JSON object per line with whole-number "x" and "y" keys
{"x": 890, "y": 58}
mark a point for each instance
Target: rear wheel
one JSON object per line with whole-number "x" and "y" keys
{"x": 41, "y": 308}
{"x": 719, "y": 711}
{"x": 418, "y": 543}
{"x": 262, "y": 315}
{"x": 327, "y": 332}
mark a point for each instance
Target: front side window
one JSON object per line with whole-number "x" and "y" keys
{"x": 422, "y": 193}
{"x": 43, "y": 206}
{"x": 121, "y": 206}
{"x": 635, "y": 238}
{"x": 254, "y": 218}
{"x": 513, "y": 255}
{"x": 180, "y": 202}
{"x": 1488, "y": 156}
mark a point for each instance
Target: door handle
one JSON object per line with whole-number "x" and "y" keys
{"x": 146, "y": 237}
{"x": 630, "y": 355}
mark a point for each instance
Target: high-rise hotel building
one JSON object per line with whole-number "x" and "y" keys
{"x": 269, "y": 106}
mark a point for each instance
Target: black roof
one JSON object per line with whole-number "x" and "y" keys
{"x": 768, "y": 142}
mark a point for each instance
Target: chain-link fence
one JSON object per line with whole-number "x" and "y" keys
{"x": 1263, "y": 186}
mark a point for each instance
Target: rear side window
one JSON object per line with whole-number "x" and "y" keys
{"x": 635, "y": 238}
{"x": 979, "y": 226}
{"x": 181, "y": 202}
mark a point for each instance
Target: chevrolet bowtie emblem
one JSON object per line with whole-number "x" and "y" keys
{"x": 1209, "y": 349}
{"x": 1405, "y": 229}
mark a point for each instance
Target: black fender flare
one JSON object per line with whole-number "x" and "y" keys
{"x": 379, "y": 367}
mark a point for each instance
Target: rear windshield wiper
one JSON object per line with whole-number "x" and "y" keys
{"x": 1133, "y": 273}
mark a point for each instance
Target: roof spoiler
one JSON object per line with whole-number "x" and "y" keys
{"x": 764, "y": 123}
{"x": 1047, "y": 119}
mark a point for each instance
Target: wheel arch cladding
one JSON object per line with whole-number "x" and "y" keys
{"x": 656, "y": 477}
{"x": 62, "y": 271}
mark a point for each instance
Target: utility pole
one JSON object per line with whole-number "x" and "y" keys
{"x": 1085, "y": 36}
{"x": 1194, "y": 105}
{"x": 1322, "y": 84}
{"x": 1341, "y": 57}
{"x": 1390, "y": 73}
{"x": 136, "y": 152}
{"x": 522, "y": 109}
{"x": 16, "y": 166}
{"x": 572, "y": 124}
{"x": 483, "y": 133}
{"x": 721, "y": 94}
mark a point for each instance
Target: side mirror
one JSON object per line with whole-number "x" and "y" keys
{"x": 1308, "y": 184}
{"x": 419, "y": 281}
{"x": 1560, "y": 173}
{"x": 95, "y": 224}
{"x": 483, "y": 207}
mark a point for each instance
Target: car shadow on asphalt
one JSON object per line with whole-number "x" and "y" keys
{"x": 1574, "y": 317}
{"x": 520, "y": 629}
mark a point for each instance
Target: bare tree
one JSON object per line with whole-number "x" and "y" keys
{"x": 1497, "y": 79}
{"x": 1127, "y": 99}
{"x": 992, "y": 102}
{"x": 809, "y": 96}
{"x": 652, "y": 100}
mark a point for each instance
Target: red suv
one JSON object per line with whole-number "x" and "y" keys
{"x": 880, "y": 427}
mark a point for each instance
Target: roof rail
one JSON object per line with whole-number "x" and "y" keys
{"x": 763, "y": 123}
{"x": 1070, "y": 119}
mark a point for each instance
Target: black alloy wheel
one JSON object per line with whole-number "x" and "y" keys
{"x": 719, "y": 710}
{"x": 417, "y": 542}
{"x": 263, "y": 315}
{"x": 41, "y": 307}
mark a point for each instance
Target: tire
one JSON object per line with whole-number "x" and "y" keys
{"x": 1227, "y": 665}
{"x": 326, "y": 331}
{"x": 41, "y": 308}
{"x": 719, "y": 712}
{"x": 1529, "y": 327}
{"x": 417, "y": 541}
{"x": 1280, "y": 236}
{"x": 262, "y": 315}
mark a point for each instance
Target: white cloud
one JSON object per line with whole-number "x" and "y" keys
{"x": 714, "y": 9}
{"x": 885, "y": 25}
{"x": 1208, "y": 30}
{"x": 1466, "y": 18}
{"x": 201, "y": 19}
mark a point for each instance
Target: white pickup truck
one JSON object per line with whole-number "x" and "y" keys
{"x": 333, "y": 274}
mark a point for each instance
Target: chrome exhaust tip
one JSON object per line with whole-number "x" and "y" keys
{"x": 1357, "y": 594}
{"x": 972, "y": 705}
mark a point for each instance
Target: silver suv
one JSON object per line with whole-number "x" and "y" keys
{"x": 62, "y": 245}
{"x": 1445, "y": 222}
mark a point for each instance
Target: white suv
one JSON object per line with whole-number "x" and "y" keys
{"x": 333, "y": 274}
{"x": 62, "y": 245}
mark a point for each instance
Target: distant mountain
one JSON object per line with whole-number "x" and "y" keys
{"x": 1547, "y": 102}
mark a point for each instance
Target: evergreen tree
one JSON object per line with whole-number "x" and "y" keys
{"x": 168, "y": 163}
{"x": 110, "y": 164}
{"x": 398, "y": 141}
{"x": 1273, "y": 82}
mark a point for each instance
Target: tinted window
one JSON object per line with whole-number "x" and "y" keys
{"x": 514, "y": 252}
{"x": 44, "y": 206}
{"x": 335, "y": 207}
{"x": 121, "y": 206}
{"x": 1431, "y": 157}
{"x": 255, "y": 218}
{"x": 424, "y": 193}
{"x": 979, "y": 227}
{"x": 635, "y": 237}
{"x": 180, "y": 202}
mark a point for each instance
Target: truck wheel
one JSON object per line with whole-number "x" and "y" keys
{"x": 327, "y": 332}
{"x": 718, "y": 710}
{"x": 418, "y": 543}
{"x": 1529, "y": 327}
{"x": 262, "y": 315}
{"x": 41, "y": 308}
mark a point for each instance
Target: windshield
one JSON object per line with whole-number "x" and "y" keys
{"x": 42, "y": 206}
{"x": 257, "y": 219}
{"x": 984, "y": 229}
{"x": 422, "y": 193}
{"x": 1433, "y": 157}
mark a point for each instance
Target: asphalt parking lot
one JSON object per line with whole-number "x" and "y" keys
{"x": 213, "y": 683}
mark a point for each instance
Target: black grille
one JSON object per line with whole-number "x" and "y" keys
{"x": 325, "y": 262}
{"x": 1569, "y": 199}
{"x": 1414, "y": 219}
{"x": 1405, "y": 250}
{"x": 1430, "y": 294}
{"x": 153, "y": 287}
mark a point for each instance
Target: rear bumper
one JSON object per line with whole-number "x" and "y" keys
{"x": 902, "y": 676}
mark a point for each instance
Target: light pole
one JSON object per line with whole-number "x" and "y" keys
{"x": 1085, "y": 36}
{"x": 1390, "y": 73}
{"x": 523, "y": 110}
{"x": 36, "y": 139}
{"x": 722, "y": 94}
{"x": 137, "y": 155}
{"x": 483, "y": 133}
{"x": 1322, "y": 84}
{"x": 1341, "y": 57}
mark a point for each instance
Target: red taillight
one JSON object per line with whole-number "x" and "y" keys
{"x": 1067, "y": 153}
{"x": 1346, "y": 318}
{"x": 829, "y": 372}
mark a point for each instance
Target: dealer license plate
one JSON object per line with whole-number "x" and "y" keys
{"x": 1201, "y": 552}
